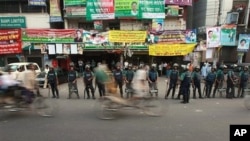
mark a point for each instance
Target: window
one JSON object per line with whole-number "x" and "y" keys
{"x": 30, "y": 9}
{"x": 86, "y": 26}
{"x": 9, "y": 7}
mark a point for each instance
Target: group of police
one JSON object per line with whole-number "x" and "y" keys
{"x": 214, "y": 78}
{"x": 184, "y": 80}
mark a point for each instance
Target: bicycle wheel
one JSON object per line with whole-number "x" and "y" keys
{"x": 103, "y": 109}
{"x": 152, "y": 107}
{"x": 44, "y": 107}
{"x": 247, "y": 101}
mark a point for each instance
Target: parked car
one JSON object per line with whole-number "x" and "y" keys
{"x": 61, "y": 74}
{"x": 13, "y": 67}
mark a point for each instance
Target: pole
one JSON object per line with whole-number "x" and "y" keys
{"x": 247, "y": 16}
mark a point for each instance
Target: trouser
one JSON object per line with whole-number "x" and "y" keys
{"x": 73, "y": 89}
{"x": 186, "y": 94}
{"x": 45, "y": 82}
{"x": 153, "y": 86}
{"x": 54, "y": 90}
{"x": 216, "y": 86}
{"x": 119, "y": 84}
{"x": 241, "y": 90}
{"x": 172, "y": 85}
{"x": 90, "y": 86}
{"x": 101, "y": 88}
{"x": 209, "y": 86}
{"x": 197, "y": 85}
{"x": 230, "y": 90}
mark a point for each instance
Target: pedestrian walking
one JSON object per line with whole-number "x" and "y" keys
{"x": 101, "y": 78}
{"x": 46, "y": 70}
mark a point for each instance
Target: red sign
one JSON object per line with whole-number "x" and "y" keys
{"x": 10, "y": 41}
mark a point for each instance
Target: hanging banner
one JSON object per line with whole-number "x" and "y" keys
{"x": 150, "y": 9}
{"x": 49, "y": 35}
{"x": 172, "y": 36}
{"x": 98, "y": 25}
{"x": 55, "y": 13}
{"x": 68, "y": 3}
{"x": 37, "y": 2}
{"x": 157, "y": 25}
{"x": 179, "y": 2}
{"x": 95, "y": 38}
{"x": 127, "y": 36}
{"x": 201, "y": 46}
{"x": 172, "y": 10}
{"x": 126, "y": 8}
{"x": 243, "y": 44}
{"x": 213, "y": 37}
{"x": 228, "y": 35}
{"x": 10, "y": 41}
{"x": 170, "y": 49}
{"x": 100, "y": 10}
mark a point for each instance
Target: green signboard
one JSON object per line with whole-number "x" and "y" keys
{"x": 126, "y": 8}
{"x": 12, "y": 22}
{"x": 151, "y": 9}
{"x": 74, "y": 3}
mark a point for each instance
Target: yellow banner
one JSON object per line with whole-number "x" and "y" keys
{"x": 127, "y": 36}
{"x": 170, "y": 49}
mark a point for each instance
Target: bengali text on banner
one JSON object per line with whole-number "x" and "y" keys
{"x": 170, "y": 49}
{"x": 10, "y": 41}
{"x": 127, "y": 36}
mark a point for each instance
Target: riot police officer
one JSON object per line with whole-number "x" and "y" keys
{"x": 196, "y": 82}
{"x": 243, "y": 79}
{"x": 219, "y": 79}
{"x": 118, "y": 76}
{"x": 128, "y": 79}
{"x": 72, "y": 82}
{"x": 88, "y": 76}
{"x": 210, "y": 81}
{"x": 185, "y": 85}
{"x": 53, "y": 81}
{"x": 174, "y": 74}
{"x": 230, "y": 82}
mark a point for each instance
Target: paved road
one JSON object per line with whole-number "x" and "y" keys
{"x": 201, "y": 119}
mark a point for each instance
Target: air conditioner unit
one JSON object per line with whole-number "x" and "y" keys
{"x": 232, "y": 18}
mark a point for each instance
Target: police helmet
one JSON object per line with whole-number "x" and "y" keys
{"x": 175, "y": 65}
{"x": 87, "y": 66}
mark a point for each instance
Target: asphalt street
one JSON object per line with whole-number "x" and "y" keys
{"x": 201, "y": 119}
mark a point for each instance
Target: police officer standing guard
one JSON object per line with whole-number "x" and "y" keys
{"x": 88, "y": 81}
{"x": 196, "y": 81}
{"x": 244, "y": 76}
{"x": 53, "y": 81}
{"x": 174, "y": 74}
{"x": 118, "y": 76}
{"x": 72, "y": 82}
{"x": 185, "y": 85}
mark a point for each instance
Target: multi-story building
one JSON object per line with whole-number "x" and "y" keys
{"x": 217, "y": 13}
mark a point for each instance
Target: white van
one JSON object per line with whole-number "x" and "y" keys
{"x": 15, "y": 66}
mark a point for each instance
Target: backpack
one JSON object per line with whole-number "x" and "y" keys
{"x": 152, "y": 76}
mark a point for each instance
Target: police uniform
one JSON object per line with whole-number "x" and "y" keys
{"x": 230, "y": 84}
{"x": 152, "y": 76}
{"x": 185, "y": 86}
{"x": 218, "y": 81}
{"x": 174, "y": 74}
{"x": 129, "y": 77}
{"x": 196, "y": 79}
{"x": 72, "y": 83}
{"x": 88, "y": 77}
{"x": 118, "y": 76}
{"x": 243, "y": 82}
{"x": 52, "y": 79}
{"x": 209, "y": 83}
